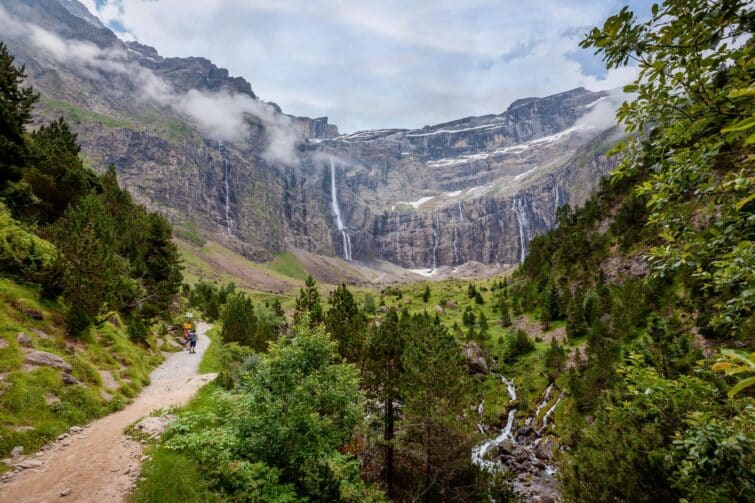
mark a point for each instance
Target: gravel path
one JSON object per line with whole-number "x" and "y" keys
{"x": 99, "y": 463}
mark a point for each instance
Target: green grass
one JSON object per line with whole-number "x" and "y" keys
{"x": 171, "y": 476}
{"x": 287, "y": 264}
{"x": 35, "y": 404}
{"x": 76, "y": 114}
{"x": 211, "y": 359}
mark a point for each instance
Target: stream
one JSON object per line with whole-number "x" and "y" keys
{"x": 527, "y": 451}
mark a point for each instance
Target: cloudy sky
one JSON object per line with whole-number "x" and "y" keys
{"x": 375, "y": 64}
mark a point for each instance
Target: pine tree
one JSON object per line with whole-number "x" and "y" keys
{"x": 471, "y": 291}
{"x": 240, "y": 323}
{"x": 383, "y": 373}
{"x": 346, "y": 324}
{"x": 434, "y": 439}
{"x": 426, "y": 294}
{"x": 16, "y": 104}
{"x": 308, "y": 303}
{"x": 92, "y": 270}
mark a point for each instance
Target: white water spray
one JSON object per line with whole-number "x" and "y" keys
{"x": 480, "y": 451}
{"x": 543, "y": 403}
{"x": 227, "y": 190}
{"x": 337, "y": 213}
{"x": 550, "y": 411}
{"x": 525, "y": 230}
{"x": 458, "y": 257}
{"x": 436, "y": 225}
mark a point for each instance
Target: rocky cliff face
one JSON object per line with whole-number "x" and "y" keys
{"x": 475, "y": 189}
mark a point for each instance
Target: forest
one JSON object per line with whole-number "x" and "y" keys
{"x": 355, "y": 394}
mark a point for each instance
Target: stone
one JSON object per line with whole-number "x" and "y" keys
{"x": 475, "y": 358}
{"x": 29, "y": 463}
{"x": 76, "y": 429}
{"x": 68, "y": 378}
{"x": 65, "y": 492}
{"x": 546, "y": 449}
{"x": 23, "y": 339}
{"x": 33, "y": 313}
{"x": 17, "y": 451}
{"x": 43, "y": 358}
{"x": 3, "y": 343}
{"x": 153, "y": 426}
{"x": 507, "y": 446}
{"x": 439, "y": 309}
{"x": 41, "y": 334}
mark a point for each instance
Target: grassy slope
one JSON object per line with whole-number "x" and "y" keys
{"x": 35, "y": 405}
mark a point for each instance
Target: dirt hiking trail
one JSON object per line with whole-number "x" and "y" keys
{"x": 99, "y": 463}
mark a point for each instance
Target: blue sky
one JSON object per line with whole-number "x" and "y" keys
{"x": 382, "y": 64}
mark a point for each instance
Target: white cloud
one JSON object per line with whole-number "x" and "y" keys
{"x": 381, "y": 64}
{"x": 219, "y": 115}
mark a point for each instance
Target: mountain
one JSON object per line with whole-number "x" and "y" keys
{"x": 198, "y": 145}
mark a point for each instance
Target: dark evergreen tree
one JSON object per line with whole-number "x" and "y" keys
{"x": 426, "y": 294}
{"x": 308, "y": 303}
{"x": 16, "y": 104}
{"x": 346, "y": 324}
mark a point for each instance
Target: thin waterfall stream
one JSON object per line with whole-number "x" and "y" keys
{"x": 226, "y": 191}
{"x": 337, "y": 213}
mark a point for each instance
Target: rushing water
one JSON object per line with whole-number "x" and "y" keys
{"x": 543, "y": 403}
{"x": 227, "y": 191}
{"x": 480, "y": 451}
{"x": 525, "y": 229}
{"x": 550, "y": 411}
{"x": 337, "y": 213}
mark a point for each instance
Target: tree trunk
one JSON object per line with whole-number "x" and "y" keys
{"x": 388, "y": 438}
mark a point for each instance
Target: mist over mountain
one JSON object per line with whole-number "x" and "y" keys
{"x": 197, "y": 144}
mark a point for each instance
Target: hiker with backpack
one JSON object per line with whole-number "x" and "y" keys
{"x": 192, "y": 342}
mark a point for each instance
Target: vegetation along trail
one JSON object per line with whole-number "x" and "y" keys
{"x": 100, "y": 463}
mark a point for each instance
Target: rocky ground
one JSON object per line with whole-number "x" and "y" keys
{"x": 98, "y": 462}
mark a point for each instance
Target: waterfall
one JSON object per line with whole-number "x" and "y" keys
{"x": 337, "y": 213}
{"x": 458, "y": 257}
{"x": 525, "y": 230}
{"x": 436, "y": 240}
{"x": 558, "y": 197}
{"x": 543, "y": 403}
{"x": 226, "y": 191}
{"x": 480, "y": 451}
{"x": 547, "y": 414}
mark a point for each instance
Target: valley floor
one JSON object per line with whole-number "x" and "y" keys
{"x": 100, "y": 463}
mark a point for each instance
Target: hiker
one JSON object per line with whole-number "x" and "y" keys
{"x": 192, "y": 342}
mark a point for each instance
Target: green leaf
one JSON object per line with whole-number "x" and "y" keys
{"x": 740, "y": 125}
{"x": 741, "y": 385}
{"x": 743, "y": 202}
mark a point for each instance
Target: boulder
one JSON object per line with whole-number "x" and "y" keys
{"x": 3, "y": 343}
{"x": 439, "y": 309}
{"x": 46, "y": 359}
{"x": 23, "y": 339}
{"x": 475, "y": 358}
{"x": 17, "y": 451}
{"x": 153, "y": 426}
{"x": 68, "y": 378}
{"x": 546, "y": 449}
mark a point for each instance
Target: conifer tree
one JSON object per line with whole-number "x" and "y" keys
{"x": 346, "y": 324}
{"x": 434, "y": 440}
{"x": 16, "y": 104}
{"x": 308, "y": 303}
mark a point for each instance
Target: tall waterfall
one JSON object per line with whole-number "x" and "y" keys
{"x": 458, "y": 257}
{"x": 226, "y": 190}
{"x": 436, "y": 226}
{"x": 337, "y": 213}
{"x": 525, "y": 229}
